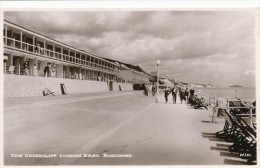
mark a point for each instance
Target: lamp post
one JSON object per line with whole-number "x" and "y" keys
{"x": 157, "y": 98}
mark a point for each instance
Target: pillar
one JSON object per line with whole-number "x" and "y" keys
{"x": 62, "y": 57}
{"x": 21, "y": 40}
{"x": 44, "y": 47}
{"x": 11, "y": 59}
{"x": 6, "y": 34}
{"x": 80, "y": 61}
{"x": 33, "y": 43}
{"x": 53, "y": 50}
{"x": 75, "y": 55}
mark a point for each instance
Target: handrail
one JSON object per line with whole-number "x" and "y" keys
{"x": 56, "y": 55}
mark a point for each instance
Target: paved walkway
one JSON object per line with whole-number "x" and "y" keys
{"x": 161, "y": 134}
{"x": 112, "y": 123}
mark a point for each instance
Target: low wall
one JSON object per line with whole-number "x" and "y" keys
{"x": 123, "y": 86}
{"x": 22, "y": 86}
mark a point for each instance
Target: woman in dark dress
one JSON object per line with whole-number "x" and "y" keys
{"x": 174, "y": 90}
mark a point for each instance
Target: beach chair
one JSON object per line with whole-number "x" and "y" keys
{"x": 245, "y": 144}
{"x": 237, "y": 131}
{"x": 229, "y": 130}
{"x": 11, "y": 70}
{"x": 48, "y": 92}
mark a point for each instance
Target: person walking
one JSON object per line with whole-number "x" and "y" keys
{"x": 145, "y": 91}
{"x": 166, "y": 93}
{"x": 35, "y": 71}
{"x": 182, "y": 94}
{"x": 26, "y": 68}
{"x": 53, "y": 71}
{"x": 186, "y": 94}
{"x": 47, "y": 70}
{"x": 154, "y": 89}
{"x": 174, "y": 92}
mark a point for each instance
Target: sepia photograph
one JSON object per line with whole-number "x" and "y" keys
{"x": 129, "y": 87}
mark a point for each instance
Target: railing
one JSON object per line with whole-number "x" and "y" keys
{"x": 250, "y": 107}
{"x": 17, "y": 44}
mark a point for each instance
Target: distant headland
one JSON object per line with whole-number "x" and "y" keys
{"x": 236, "y": 86}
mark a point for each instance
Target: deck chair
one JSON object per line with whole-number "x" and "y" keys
{"x": 47, "y": 92}
{"x": 246, "y": 144}
{"x": 11, "y": 70}
{"x": 229, "y": 131}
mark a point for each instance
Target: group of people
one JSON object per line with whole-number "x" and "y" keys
{"x": 27, "y": 69}
{"x": 38, "y": 48}
{"x": 175, "y": 91}
{"x": 49, "y": 71}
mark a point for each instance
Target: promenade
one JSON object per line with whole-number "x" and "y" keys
{"x": 110, "y": 124}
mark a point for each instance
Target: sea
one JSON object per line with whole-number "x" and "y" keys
{"x": 247, "y": 93}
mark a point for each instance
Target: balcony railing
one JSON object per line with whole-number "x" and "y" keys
{"x": 39, "y": 50}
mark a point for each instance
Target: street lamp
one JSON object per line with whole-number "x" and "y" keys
{"x": 157, "y": 98}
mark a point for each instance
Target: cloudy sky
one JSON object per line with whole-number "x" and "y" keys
{"x": 216, "y": 47}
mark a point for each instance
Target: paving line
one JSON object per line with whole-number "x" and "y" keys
{"x": 92, "y": 144}
{"x": 65, "y": 101}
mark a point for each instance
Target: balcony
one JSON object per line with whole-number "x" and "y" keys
{"x": 39, "y": 50}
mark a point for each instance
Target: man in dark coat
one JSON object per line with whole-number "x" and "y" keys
{"x": 154, "y": 89}
{"x": 182, "y": 94}
{"x": 174, "y": 90}
{"x": 166, "y": 93}
{"x": 47, "y": 70}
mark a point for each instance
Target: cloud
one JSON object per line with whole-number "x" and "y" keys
{"x": 188, "y": 43}
{"x": 249, "y": 73}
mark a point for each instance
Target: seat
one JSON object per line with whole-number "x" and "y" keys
{"x": 11, "y": 70}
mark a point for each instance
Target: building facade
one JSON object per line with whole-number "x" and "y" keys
{"x": 23, "y": 46}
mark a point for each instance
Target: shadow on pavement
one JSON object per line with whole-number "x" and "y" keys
{"x": 207, "y": 122}
{"x": 234, "y": 162}
{"x": 228, "y": 154}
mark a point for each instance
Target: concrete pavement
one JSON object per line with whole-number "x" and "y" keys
{"x": 114, "y": 124}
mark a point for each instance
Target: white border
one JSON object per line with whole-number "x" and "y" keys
{"x": 113, "y": 4}
{"x": 133, "y": 5}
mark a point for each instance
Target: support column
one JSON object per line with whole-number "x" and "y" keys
{"x": 44, "y": 47}
{"x": 53, "y": 50}
{"x": 6, "y": 34}
{"x": 12, "y": 39}
{"x": 75, "y": 57}
{"x": 11, "y": 59}
{"x": 21, "y": 40}
{"x": 4, "y": 67}
{"x": 85, "y": 60}
{"x": 80, "y": 59}
{"x": 62, "y": 52}
{"x": 33, "y": 43}
{"x": 35, "y": 71}
{"x": 69, "y": 55}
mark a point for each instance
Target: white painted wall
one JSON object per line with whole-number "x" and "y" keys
{"x": 23, "y": 86}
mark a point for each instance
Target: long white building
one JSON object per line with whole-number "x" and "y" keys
{"x": 23, "y": 45}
